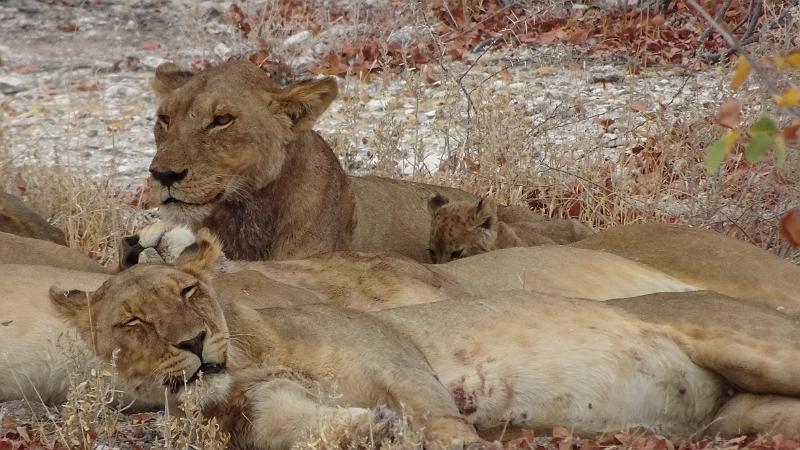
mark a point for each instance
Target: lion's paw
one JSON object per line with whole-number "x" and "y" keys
{"x": 158, "y": 243}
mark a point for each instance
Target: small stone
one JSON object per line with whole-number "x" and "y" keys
{"x": 297, "y": 38}
{"x": 12, "y": 85}
{"x": 210, "y": 9}
{"x": 376, "y": 104}
{"x": 605, "y": 74}
{"x": 121, "y": 91}
{"x": 402, "y": 36}
{"x": 222, "y": 50}
{"x": 151, "y": 62}
{"x": 29, "y": 8}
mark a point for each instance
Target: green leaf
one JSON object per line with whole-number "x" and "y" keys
{"x": 719, "y": 149}
{"x": 764, "y": 125}
{"x": 780, "y": 150}
{"x": 757, "y": 147}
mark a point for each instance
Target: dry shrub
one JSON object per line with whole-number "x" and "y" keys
{"x": 90, "y": 415}
{"x": 92, "y": 212}
{"x": 389, "y": 432}
{"x": 190, "y": 429}
{"x": 656, "y": 174}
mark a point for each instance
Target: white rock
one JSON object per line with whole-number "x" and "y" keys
{"x": 12, "y": 85}
{"x": 605, "y": 74}
{"x": 402, "y": 36}
{"x": 376, "y": 104}
{"x": 297, "y": 38}
{"x": 151, "y": 62}
{"x": 222, "y": 50}
{"x": 121, "y": 91}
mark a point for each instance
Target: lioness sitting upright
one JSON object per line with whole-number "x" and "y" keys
{"x": 465, "y": 228}
{"x": 236, "y": 153}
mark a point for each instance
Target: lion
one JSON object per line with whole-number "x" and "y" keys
{"x": 461, "y": 370}
{"x": 237, "y": 154}
{"x": 705, "y": 259}
{"x": 465, "y": 228}
{"x": 363, "y": 281}
{"x": 36, "y": 367}
{"x": 17, "y": 218}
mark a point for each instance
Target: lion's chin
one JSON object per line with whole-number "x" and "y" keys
{"x": 185, "y": 213}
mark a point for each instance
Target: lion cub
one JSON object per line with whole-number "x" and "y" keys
{"x": 461, "y": 229}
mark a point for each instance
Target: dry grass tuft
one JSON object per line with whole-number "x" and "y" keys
{"x": 190, "y": 429}
{"x": 92, "y": 213}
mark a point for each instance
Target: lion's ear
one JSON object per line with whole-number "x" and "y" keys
{"x": 72, "y": 305}
{"x": 168, "y": 78}
{"x": 436, "y": 201}
{"x": 305, "y": 102}
{"x": 199, "y": 258}
{"x": 485, "y": 213}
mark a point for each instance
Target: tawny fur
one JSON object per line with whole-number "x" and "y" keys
{"x": 706, "y": 259}
{"x": 17, "y": 218}
{"x": 267, "y": 184}
{"x": 465, "y": 228}
{"x": 484, "y": 362}
{"x": 263, "y": 181}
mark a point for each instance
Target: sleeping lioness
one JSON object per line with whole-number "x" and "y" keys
{"x": 461, "y": 369}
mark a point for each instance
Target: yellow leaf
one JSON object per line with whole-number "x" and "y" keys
{"x": 794, "y": 60}
{"x": 790, "y": 97}
{"x": 741, "y": 73}
{"x": 781, "y": 63}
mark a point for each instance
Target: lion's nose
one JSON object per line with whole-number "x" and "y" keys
{"x": 194, "y": 345}
{"x": 168, "y": 178}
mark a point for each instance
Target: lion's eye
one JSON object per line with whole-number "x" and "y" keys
{"x": 222, "y": 120}
{"x": 188, "y": 291}
{"x": 164, "y": 119}
{"x": 456, "y": 254}
{"x": 133, "y": 322}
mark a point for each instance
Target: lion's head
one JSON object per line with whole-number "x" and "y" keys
{"x": 221, "y": 134}
{"x": 461, "y": 229}
{"x": 160, "y": 324}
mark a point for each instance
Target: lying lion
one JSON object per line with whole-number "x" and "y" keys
{"x": 371, "y": 282}
{"x": 462, "y": 370}
{"x": 35, "y": 367}
{"x": 465, "y": 228}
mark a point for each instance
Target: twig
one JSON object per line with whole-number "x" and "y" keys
{"x": 718, "y": 18}
{"x": 762, "y": 73}
{"x": 753, "y": 14}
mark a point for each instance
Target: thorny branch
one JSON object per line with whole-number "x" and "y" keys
{"x": 766, "y": 78}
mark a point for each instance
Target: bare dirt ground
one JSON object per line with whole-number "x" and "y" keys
{"x": 573, "y": 108}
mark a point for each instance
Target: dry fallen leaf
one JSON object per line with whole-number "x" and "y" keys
{"x": 639, "y": 106}
{"x": 116, "y": 125}
{"x": 150, "y": 45}
{"x": 789, "y": 227}
{"x": 792, "y": 132}
{"x": 88, "y": 87}
{"x": 730, "y": 114}
{"x": 605, "y": 123}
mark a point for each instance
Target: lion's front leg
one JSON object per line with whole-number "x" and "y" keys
{"x": 431, "y": 407}
{"x": 283, "y": 414}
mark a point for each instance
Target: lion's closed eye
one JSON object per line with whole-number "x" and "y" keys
{"x": 188, "y": 291}
{"x": 134, "y": 321}
{"x": 221, "y": 120}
